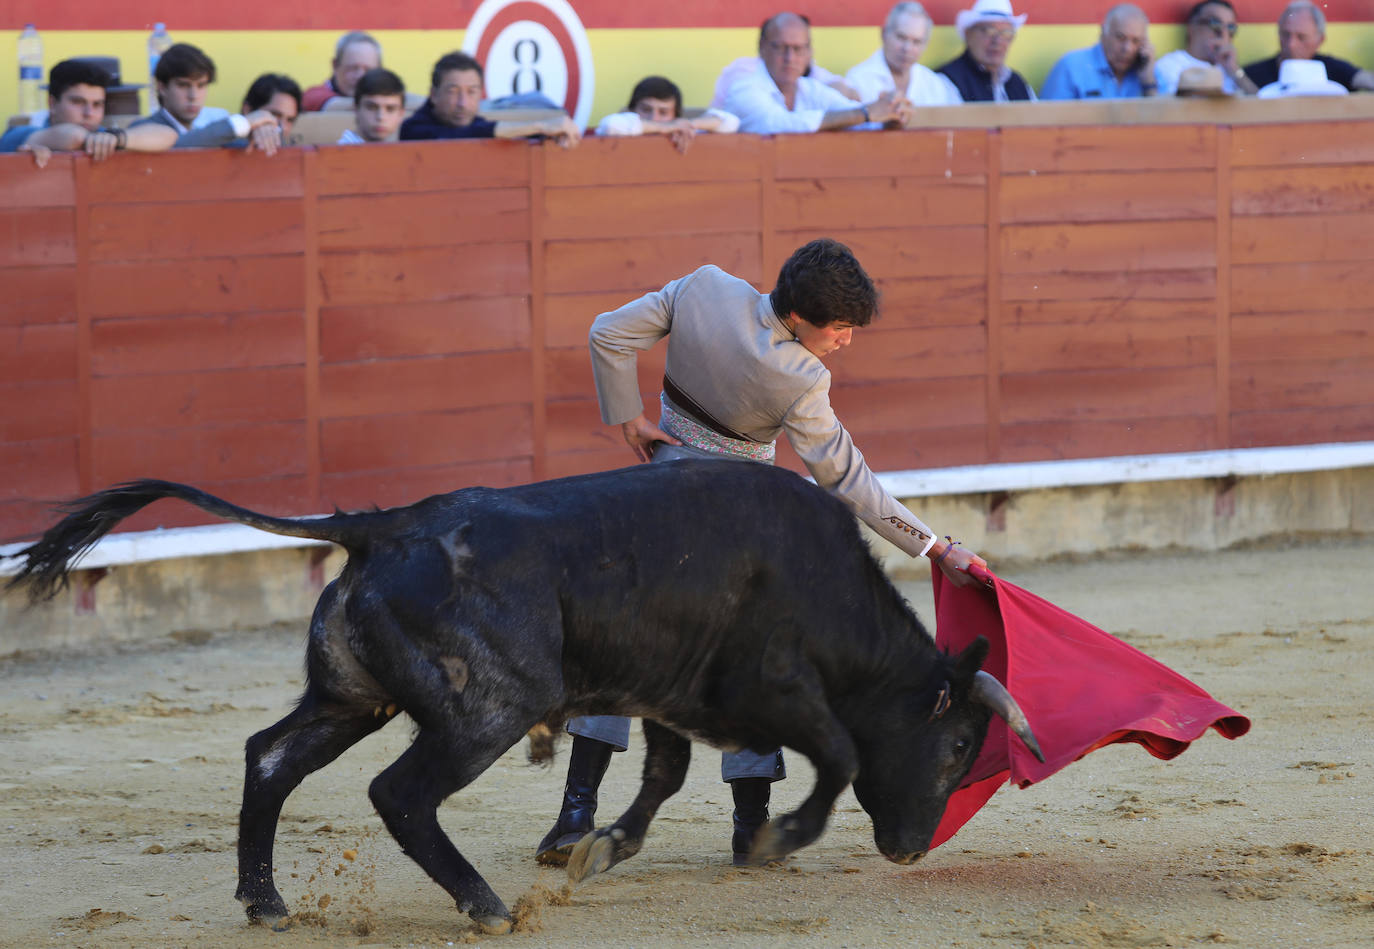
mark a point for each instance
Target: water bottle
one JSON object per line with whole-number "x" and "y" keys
{"x": 30, "y": 70}
{"x": 158, "y": 43}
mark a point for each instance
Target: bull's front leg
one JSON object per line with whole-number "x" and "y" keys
{"x": 666, "y": 756}
{"x": 836, "y": 760}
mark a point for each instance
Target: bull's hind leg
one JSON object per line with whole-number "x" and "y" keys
{"x": 666, "y": 756}
{"x": 407, "y": 795}
{"x": 278, "y": 759}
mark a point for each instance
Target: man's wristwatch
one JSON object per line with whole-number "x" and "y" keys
{"x": 1238, "y": 75}
{"x": 865, "y": 111}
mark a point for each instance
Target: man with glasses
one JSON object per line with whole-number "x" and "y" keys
{"x": 981, "y": 74}
{"x": 776, "y": 95}
{"x": 1211, "y": 45}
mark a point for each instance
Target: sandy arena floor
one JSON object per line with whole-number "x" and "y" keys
{"x": 121, "y": 775}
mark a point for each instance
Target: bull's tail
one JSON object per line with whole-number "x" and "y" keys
{"x": 48, "y": 560}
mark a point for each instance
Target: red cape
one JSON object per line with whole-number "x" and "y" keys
{"x": 1080, "y": 687}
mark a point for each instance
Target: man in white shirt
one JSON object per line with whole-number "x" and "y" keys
{"x": 776, "y": 96}
{"x": 1211, "y": 45}
{"x": 895, "y": 65}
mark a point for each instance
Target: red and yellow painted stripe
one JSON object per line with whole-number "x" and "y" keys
{"x": 688, "y": 42}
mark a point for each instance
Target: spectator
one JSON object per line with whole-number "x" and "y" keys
{"x": 896, "y": 63}
{"x": 76, "y": 109}
{"x": 981, "y": 74}
{"x": 1120, "y": 66}
{"x": 354, "y": 54}
{"x": 379, "y": 105}
{"x": 455, "y": 96}
{"x": 1211, "y": 35}
{"x": 747, "y": 64}
{"x": 776, "y": 96}
{"x": 181, "y": 78}
{"x": 656, "y": 109}
{"x": 1302, "y": 30}
{"x": 276, "y": 94}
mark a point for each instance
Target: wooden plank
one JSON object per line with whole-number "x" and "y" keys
{"x": 1302, "y": 384}
{"x": 1282, "y": 239}
{"x": 25, "y": 185}
{"x": 423, "y": 439}
{"x": 910, "y": 405}
{"x": 568, "y": 316}
{"x": 652, "y": 159}
{"x": 1177, "y": 284}
{"x": 41, "y": 468}
{"x": 943, "y": 153}
{"x": 1066, "y": 315}
{"x": 432, "y": 384}
{"x": 992, "y": 379}
{"x": 626, "y": 263}
{"x": 175, "y": 400}
{"x": 1108, "y": 394}
{"x": 1301, "y": 287}
{"x": 925, "y": 353}
{"x": 1316, "y": 189}
{"x": 196, "y": 229}
{"x": 1280, "y": 426}
{"x": 201, "y": 174}
{"x": 1090, "y": 438}
{"x": 38, "y": 353}
{"x": 196, "y": 343}
{"x": 424, "y": 219}
{"x": 200, "y": 454}
{"x": 363, "y": 490}
{"x": 936, "y": 447}
{"x": 1108, "y": 196}
{"x": 610, "y": 211}
{"x": 422, "y": 166}
{"x": 1222, "y": 323}
{"x": 539, "y": 195}
{"x": 37, "y": 295}
{"x": 310, "y": 323}
{"x": 1309, "y": 143}
{"x": 931, "y": 301}
{"x": 1108, "y": 148}
{"x": 1139, "y": 245}
{"x": 569, "y": 463}
{"x": 397, "y": 330}
{"x": 1279, "y": 337}
{"x": 37, "y": 237}
{"x": 896, "y": 201}
{"x": 215, "y": 285}
{"x": 38, "y": 410}
{"x": 370, "y": 277}
{"x": 574, "y": 425}
{"x": 1048, "y": 347}
{"x": 905, "y": 251}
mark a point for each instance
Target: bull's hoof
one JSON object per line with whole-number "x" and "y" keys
{"x": 594, "y": 853}
{"x": 270, "y": 912}
{"x": 772, "y": 843}
{"x": 492, "y": 924}
{"x": 555, "y": 853}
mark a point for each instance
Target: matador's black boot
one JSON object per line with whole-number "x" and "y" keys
{"x": 751, "y": 813}
{"x": 586, "y": 767}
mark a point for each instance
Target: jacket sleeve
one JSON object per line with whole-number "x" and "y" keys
{"x": 616, "y": 339}
{"x": 836, "y": 463}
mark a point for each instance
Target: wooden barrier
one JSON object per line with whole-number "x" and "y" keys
{"x": 350, "y": 326}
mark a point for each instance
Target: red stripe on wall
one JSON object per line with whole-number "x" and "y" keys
{"x": 595, "y": 14}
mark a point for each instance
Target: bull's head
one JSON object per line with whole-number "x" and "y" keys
{"x": 931, "y": 740}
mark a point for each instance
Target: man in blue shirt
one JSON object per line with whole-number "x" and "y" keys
{"x": 455, "y": 96}
{"x": 1120, "y": 66}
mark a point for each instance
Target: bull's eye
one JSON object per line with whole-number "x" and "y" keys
{"x": 962, "y": 746}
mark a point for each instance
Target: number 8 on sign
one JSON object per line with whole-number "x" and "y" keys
{"x": 534, "y": 46}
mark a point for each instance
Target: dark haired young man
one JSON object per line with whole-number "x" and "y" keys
{"x": 76, "y": 109}
{"x": 455, "y": 96}
{"x": 656, "y": 109}
{"x": 379, "y": 105}
{"x": 277, "y": 94}
{"x": 182, "y": 76}
{"x": 742, "y": 368}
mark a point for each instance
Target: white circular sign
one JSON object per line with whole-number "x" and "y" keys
{"x": 534, "y": 46}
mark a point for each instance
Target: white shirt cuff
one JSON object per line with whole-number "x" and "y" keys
{"x": 241, "y": 125}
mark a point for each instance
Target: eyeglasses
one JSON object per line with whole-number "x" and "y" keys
{"x": 796, "y": 49}
{"x": 1217, "y": 26}
{"x": 1004, "y": 33}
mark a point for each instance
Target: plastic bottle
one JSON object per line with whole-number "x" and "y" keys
{"x": 158, "y": 43}
{"x": 30, "y": 70}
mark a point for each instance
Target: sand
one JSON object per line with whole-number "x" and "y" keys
{"x": 122, "y": 770}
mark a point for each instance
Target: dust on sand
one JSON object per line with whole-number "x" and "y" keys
{"x": 122, "y": 772}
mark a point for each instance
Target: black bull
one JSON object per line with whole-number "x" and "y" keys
{"x": 734, "y": 603}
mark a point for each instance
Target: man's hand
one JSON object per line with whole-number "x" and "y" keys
{"x": 265, "y": 138}
{"x": 640, "y": 434}
{"x": 100, "y": 145}
{"x": 890, "y": 107}
{"x": 955, "y": 564}
{"x": 682, "y": 134}
{"x": 564, "y": 131}
{"x": 41, "y": 153}
{"x": 1146, "y": 58}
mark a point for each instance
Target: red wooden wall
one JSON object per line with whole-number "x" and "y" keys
{"x": 350, "y": 326}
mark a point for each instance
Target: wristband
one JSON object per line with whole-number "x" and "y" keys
{"x": 867, "y": 118}
{"x": 121, "y": 138}
{"x": 945, "y": 553}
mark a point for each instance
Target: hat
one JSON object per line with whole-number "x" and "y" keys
{"x": 987, "y": 11}
{"x": 1302, "y": 77}
{"x": 1202, "y": 81}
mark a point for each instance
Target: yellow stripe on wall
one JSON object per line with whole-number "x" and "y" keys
{"x": 692, "y": 58}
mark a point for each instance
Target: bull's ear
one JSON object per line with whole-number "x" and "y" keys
{"x": 971, "y": 659}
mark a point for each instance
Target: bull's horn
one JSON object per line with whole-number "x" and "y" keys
{"x": 988, "y": 691}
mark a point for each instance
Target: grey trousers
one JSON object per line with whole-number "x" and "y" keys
{"x": 615, "y": 730}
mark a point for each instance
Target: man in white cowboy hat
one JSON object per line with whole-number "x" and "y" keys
{"x": 1120, "y": 66}
{"x": 1211, "y": 45}
{"x": 981, "y": 74}
{"x": 896, "y": 63}
{"x": 1302, "y": 30}
{"x": 1302, "y": 77}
